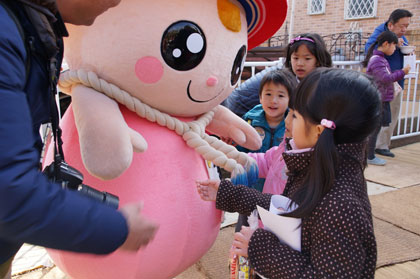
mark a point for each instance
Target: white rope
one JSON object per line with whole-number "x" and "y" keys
{"x": 211, "y": 148}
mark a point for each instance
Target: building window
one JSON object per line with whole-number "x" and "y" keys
{"x": 355, "y": 9}
{"x": 316, "y": 7}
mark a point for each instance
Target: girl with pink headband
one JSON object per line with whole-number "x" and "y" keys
{"x": 305, "y": 53}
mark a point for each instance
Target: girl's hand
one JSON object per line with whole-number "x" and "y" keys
{"x": 207, "y": 189}
{"x": 407, "y": 69}
{"x": 241, "y": 241}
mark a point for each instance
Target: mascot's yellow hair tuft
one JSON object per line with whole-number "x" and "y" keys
{"x": 229, "y": 15}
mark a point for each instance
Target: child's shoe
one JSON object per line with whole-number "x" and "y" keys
{"x": 376, "y": 161}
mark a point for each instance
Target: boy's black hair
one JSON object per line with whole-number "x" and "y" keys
{"x": 280, "y": 76}
{"x": 318, "y": 49}
{"x": 351, "y": 100}
{"x": 397, "y": 14}
{"x": 386, "y": 36}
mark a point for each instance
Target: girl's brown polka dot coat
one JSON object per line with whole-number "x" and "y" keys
{"x": 337, "y": 238}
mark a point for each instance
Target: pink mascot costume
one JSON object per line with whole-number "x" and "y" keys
{"x": 146, "y": 82}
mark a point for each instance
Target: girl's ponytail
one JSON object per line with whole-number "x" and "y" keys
{"x": 369, "y": 54}
{"x": 347, "y": 103}
{"x": 321, "y": 175}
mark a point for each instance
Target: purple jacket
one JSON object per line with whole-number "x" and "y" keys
{"x": 379, "y": 68}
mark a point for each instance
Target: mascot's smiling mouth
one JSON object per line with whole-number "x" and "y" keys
{"x": 200, "y": 101}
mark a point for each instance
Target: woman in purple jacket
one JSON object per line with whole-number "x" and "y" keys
{"x": 378, "y": 67}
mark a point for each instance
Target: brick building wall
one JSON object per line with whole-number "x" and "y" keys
{"x": 332, "y": 21}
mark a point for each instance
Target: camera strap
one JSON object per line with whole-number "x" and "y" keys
{"x": 55, "y": 118}
{"x": 50, "y": 29}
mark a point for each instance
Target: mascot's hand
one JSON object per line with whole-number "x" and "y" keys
{"x": 226, "y": 124}
{"x": 106, "y": 142}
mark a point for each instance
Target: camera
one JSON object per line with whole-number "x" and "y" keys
{"x": 70, "y": 178}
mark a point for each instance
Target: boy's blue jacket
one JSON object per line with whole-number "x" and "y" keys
{"x": 32, "y": 209}
{"x": 256, "y": 118}
{"x": 396, "y": 60}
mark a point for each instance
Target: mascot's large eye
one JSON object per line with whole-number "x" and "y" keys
{"x": 183, "y": 45}
{"x": 238, "y": 65}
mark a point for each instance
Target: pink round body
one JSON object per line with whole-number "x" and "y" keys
{"x": 164, "y": 178}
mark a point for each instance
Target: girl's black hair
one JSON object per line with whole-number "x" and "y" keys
{"x": 386, "y": 36}
{"x": 280, "y": 76}
{"x": 352, "y": 101}
{"x": 317, "y": 48}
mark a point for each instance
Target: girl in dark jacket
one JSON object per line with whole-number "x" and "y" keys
{"x": 378, "y": 67}
{"x": 335, "y": 111}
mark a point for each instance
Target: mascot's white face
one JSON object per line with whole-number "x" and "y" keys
{"x": 180, "y": 57}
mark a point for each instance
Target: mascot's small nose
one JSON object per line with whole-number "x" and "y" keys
{"x": 212, "y": 81}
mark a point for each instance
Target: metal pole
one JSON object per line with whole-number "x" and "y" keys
{"x": 292, "y": 15}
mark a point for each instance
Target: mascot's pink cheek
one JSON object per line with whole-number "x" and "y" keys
{"x": 149, "y": 69}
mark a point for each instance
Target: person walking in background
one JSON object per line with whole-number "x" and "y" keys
{"x": 335, "y": 110}
{"x": 304, "y": 53}
{"x": 398, "y": 22}
{"x": 378, "y": 67}
{"x": 32, "y": 208}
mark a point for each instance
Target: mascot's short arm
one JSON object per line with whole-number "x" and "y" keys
{"x": 104, "y": 136}
{"x": 227, "y": 124}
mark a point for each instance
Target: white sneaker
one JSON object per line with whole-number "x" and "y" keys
{"x": 376, "y": 161}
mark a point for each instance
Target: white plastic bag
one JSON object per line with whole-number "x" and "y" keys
{"x": 410, "y": 60}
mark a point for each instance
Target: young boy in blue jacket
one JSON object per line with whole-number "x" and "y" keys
{"x": 268, "y": 117}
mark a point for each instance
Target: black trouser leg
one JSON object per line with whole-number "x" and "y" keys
{"x": 242, "y": 221}
{"x": 372, "y": 143}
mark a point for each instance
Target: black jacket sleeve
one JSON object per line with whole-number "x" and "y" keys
{"x": 240, "y": 198}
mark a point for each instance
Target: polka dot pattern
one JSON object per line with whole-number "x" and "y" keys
{"x": 240, "y": 198}
{"x": 337, "y": 238}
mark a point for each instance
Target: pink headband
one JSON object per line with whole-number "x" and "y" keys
{"x": 299, "y": 38}
{"x": 328, "y": 124}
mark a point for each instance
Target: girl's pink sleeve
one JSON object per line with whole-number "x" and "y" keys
{"x": 265, "y": 160}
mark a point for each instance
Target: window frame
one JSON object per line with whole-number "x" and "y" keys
{"x": 317, "y": 13}
{"x": 346, "y": 11}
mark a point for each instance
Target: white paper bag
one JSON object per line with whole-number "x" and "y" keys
{"x": 287, "y": 229}
{"x": 410, "y": 60}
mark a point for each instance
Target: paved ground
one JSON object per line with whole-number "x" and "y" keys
{"x": 394, "y": 192}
